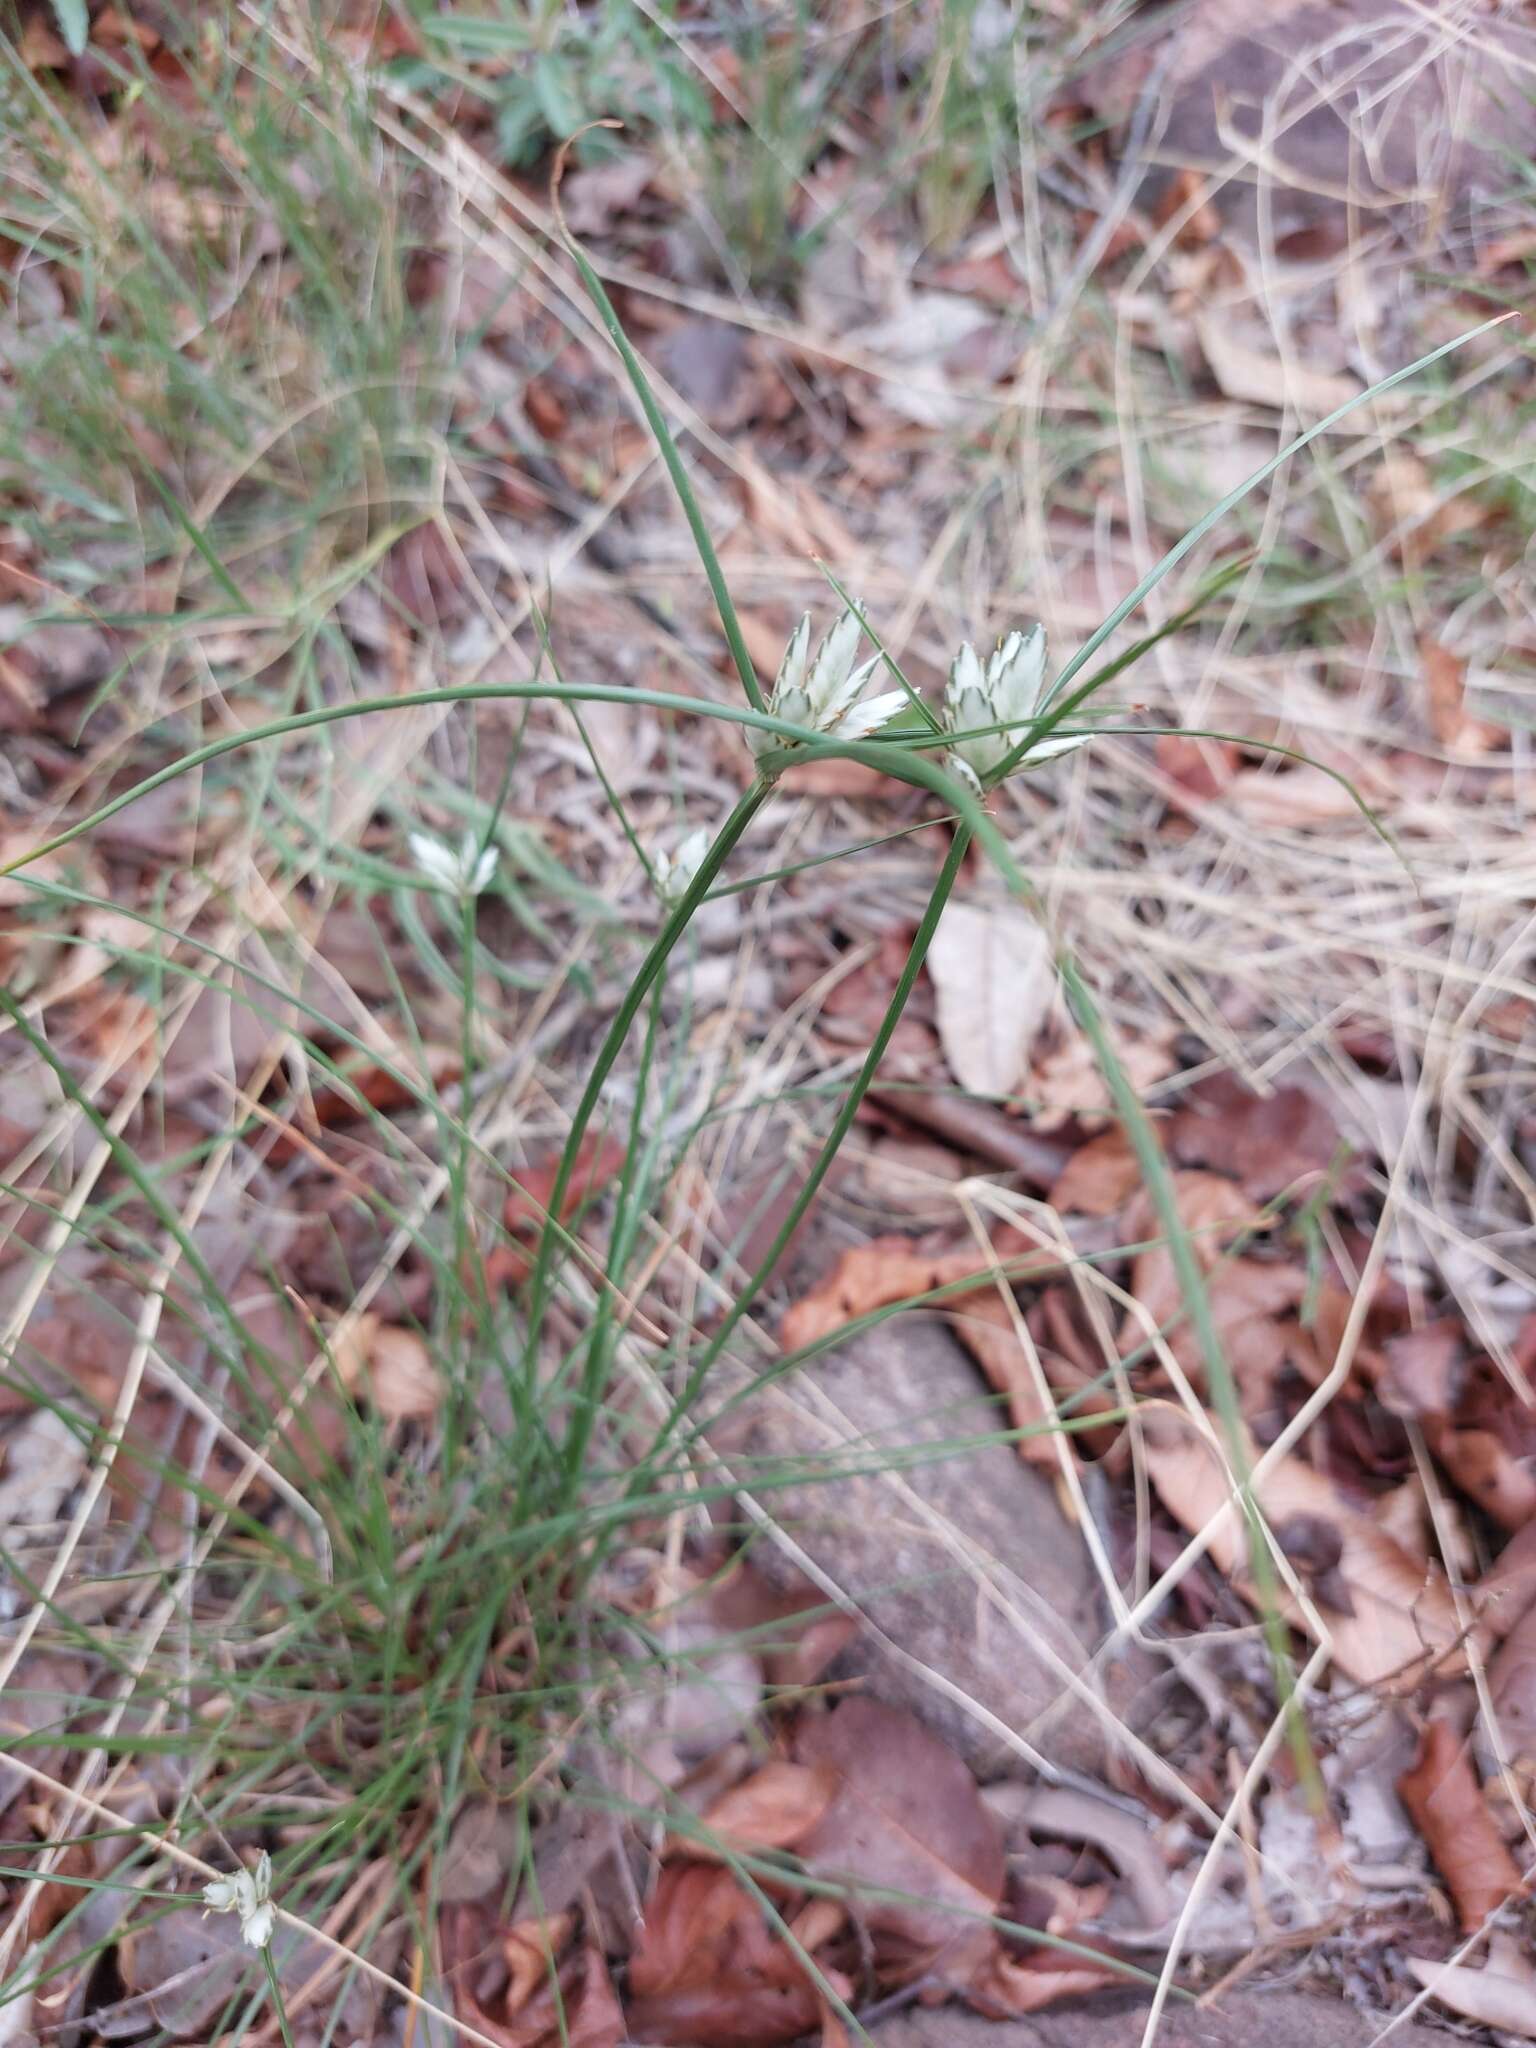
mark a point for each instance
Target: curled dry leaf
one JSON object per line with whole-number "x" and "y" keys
{"x": 1404, "y": 1620}
{"x": 1100, "y": 1177}
{"x": 527, "y": 1206}
{"x": 892, "y": 1269}
{"x": 1255, "y": 377}
{"x": 1501, "y": 1994}
{"x": 1007, "y": 1984}
{"x": 709, "y": 1968}
{"x": 1489, "y": 1445}
{"x": 774, "y": 1808}
{"x": 531, "y": 1948}
{"x": 985, "y": 1325}
{"x": 402, "y": 1382}
{"x": 991, "y": 966}
{"x": 1445, "y": 686}
{"x": 506, "y": 1985}
{"x": 1446, "y": 1802}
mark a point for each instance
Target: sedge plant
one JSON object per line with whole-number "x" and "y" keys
{"x": 1001, "y": 716}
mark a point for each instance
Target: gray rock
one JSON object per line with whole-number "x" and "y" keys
{"x": 979, "y": 1599}
{"x": 1384, "y": 107}
{"x": 1249, "y": 2018}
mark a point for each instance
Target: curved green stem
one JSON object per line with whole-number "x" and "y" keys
{"x": 917, "y": 953}
{"x": 634, "y": 996}
{"x": 798, "y": 745}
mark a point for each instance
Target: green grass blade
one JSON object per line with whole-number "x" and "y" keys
{"x": 674, "y": 462}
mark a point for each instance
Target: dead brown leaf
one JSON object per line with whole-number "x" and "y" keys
{"x": 838, "y": 778}
{"x": 1255, "y": 377}
{"x": 531, "y": 1948}
{"x": 907, "y": 1817}
{"x": 985, "y": 1325}
{"x": 1099, "y": 1178}
{"x": 1213, "y": 1209}
{"x": 1252, "y": 1302}
{"x": 991, "y": 965}
{"x": 1483, "y": 1465}
{"x": 852, "y": 1009}
{"x": 402, "y": 1382}
{"x": 1270, "y": 1144}
{"x": 1216, "y": 1213}
{"x": 709, "y": 1968}
{"x": 892, "y": 1269}
{"x": 1422, "y": 1370}
{"x": 792, "y": 1629}
{"x": 507, "y": 1986}
{"x": 1447, "y": 1806}
{"x": 1201, "y": 768}
{"x": 527, "y": 1205}
{"x": 1489, "y": 1445}
{"x": 1403, "y": 501}
{"x": 1295, "y": 798}
{"x": 1404, "y": 1619}
{"x": 1066, "y": 1082}
{"x": 594, "y": 196}
{"x": 1008, "y": 1985}
{"x": 1445, "y": 684}
{"x": 775, "y": 1808}
{"x": 1187, "y": 189}
{"x": 360, "y": 1085}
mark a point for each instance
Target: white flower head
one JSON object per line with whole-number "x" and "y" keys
{"x": 674, "y": 872}
{"x": 1006, "y": 692}
{"x": 464, "y": 872}
{"x": 825, "y": 694}
{"x": 248, "y": 1893}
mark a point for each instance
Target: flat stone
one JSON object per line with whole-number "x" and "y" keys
{"x": 1248, "y": 2018}
{"x": 1345, "y": 114}
{"x": 979, "y": 1598}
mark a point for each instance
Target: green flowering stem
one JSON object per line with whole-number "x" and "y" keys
{"x": 917, "y": 953}
{"x": 275, "y": 1987}
{"x": 676, "y": 923}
